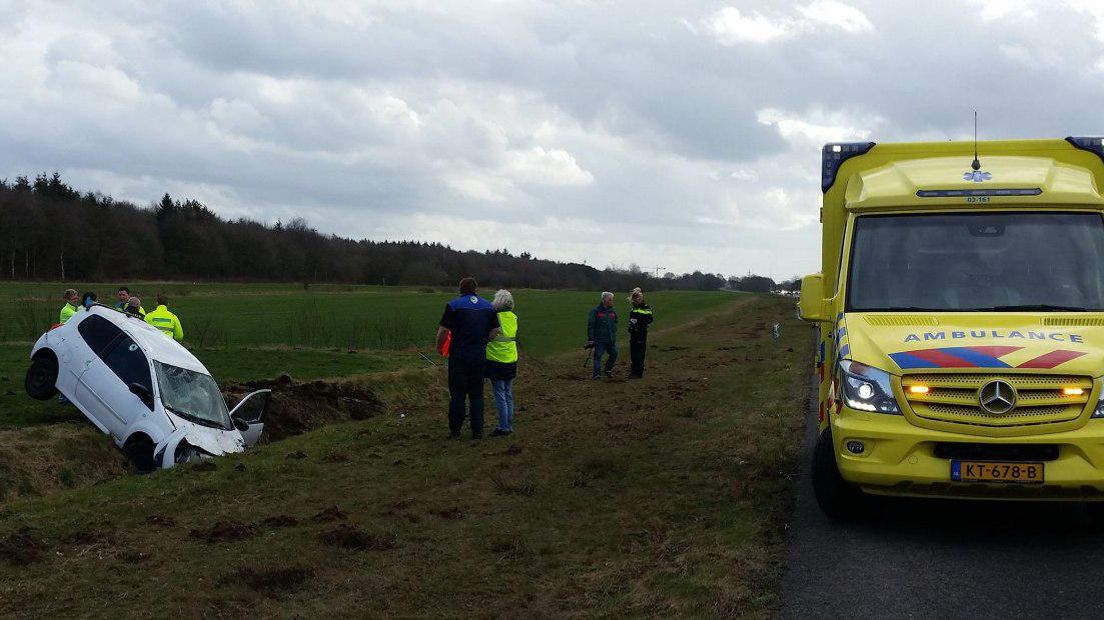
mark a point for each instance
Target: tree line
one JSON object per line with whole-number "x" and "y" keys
{"x": 50, "y": 231}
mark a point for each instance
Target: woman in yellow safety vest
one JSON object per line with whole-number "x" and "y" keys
{"x": 502, "y": 358}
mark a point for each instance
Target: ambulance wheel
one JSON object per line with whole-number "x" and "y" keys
{"x": 836, "y": 497}
{"x": 41, "y": 378}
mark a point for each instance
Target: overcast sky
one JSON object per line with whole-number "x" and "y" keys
{"x": 684, "y": 135}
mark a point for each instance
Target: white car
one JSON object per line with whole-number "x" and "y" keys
{"x": 157, "y": 401}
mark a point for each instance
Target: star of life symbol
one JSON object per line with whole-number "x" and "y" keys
{"x": 977, "y": 176}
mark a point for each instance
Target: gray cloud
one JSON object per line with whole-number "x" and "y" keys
{"x": 612, "y": 132}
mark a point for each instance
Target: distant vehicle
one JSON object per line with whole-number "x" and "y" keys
{"x": 158, "y": 403}
{"x": 961, "y": 315}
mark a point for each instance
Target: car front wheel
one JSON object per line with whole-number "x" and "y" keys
{"x": 41, "y": 380}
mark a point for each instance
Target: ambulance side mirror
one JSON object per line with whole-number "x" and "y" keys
{"x": 812, "y": 306}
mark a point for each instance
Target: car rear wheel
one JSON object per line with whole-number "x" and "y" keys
{"x": 41, "y": 379}
{"x": 836, "y": 497}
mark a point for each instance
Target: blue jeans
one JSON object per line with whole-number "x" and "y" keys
{"x": 504, "y": 403}
{"x": 600, "y": 349}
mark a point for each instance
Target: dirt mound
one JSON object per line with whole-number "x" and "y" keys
{"x": 20, "y": 549}
{"x": 450, "y": 514}
{"x": 271, "y": 581}
{"x": 161, "y": 521}
{"x": 298, "y": 407}
{"x": 279, "y": 521}
{"x": 329, "y": 515}
{"x": 224, "y": 531}
{"x": 352, "y": 537}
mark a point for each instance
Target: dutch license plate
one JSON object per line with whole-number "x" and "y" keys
{"x": 988, "y": 471}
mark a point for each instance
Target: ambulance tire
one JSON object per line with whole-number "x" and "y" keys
{"x": 836, "y": 497}
{"x": 1096, "y": 511}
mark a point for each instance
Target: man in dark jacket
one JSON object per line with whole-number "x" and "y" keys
{"x": 602, "y": 334}
{"x": 640, "y": 317}
{"x": 472, "y": 322}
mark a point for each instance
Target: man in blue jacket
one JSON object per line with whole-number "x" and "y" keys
{"x": 472, "y": 322}
{"x": 602, "y": 334}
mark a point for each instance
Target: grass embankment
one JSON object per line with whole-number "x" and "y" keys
{"x": 660, "y": 496}
{"x": 249, "y": 331}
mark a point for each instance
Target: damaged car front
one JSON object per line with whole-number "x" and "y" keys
{"x": 154, "y": 398}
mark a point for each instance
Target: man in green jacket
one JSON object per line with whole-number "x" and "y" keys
{"x": 602, "y": 335}
{"x": 70, "y": 307}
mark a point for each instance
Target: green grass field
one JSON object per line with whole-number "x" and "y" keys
{"x": 665, "y": 496}
{"x": 251, "y": 331}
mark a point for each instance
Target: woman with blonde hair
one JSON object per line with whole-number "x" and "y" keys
{"x": 502, "y": 359}
{"x": 640, "y": 317}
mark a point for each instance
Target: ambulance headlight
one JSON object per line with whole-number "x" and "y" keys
{"x": 866, "y": 388}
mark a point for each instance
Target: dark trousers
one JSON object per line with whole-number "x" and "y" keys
{"x": 465, "y": 381}
{"x": 601, "y": 348}
{"x": 638, "y": 346}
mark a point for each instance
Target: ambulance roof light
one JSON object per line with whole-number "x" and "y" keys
{"x": 832, "y": 157}
{"x": 1092, "y": 144}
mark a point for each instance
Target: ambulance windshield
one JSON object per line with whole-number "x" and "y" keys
{"x": 977, "y": 262}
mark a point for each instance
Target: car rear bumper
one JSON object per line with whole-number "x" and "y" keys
{"x": 901, "y": 459}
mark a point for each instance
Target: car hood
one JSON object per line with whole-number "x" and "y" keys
{"x": 1037, "y": 342}
{"x": 214, "y": 441}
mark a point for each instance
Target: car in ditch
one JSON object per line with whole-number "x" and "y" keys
{"x": 159, "y": 404}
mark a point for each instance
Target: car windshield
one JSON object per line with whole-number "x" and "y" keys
{"x": 998, "y": 262}
{"x": 192, "y": 395}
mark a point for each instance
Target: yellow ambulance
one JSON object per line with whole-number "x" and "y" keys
{"x": 960, "y": 307}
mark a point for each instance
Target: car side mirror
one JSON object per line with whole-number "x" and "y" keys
{"x": 812, "y": 306}
{"x": 140, "y": 391}
{"x": 143, "y": 394}
{"x": 240, "y": 424}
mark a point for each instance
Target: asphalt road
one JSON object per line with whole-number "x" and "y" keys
{"x": 942, "y": 559}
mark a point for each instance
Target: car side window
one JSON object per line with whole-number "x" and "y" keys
{"x": 97, "y": 333}
{"x": 126, "y": 360}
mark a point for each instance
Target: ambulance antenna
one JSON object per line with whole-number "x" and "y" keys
{"x": 976, "y": 165}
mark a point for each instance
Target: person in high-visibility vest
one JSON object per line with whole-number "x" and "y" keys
{"x": 502, "y": 359}
{"x": 164, "y": 320}
{"x": 70, "y": 307}
{"x": 134, "y": 308}
{"x": 640, "y": 317}
{"x": 123, "y": 295}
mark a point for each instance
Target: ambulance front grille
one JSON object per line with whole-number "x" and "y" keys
{"x": 1040, "y": 399}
